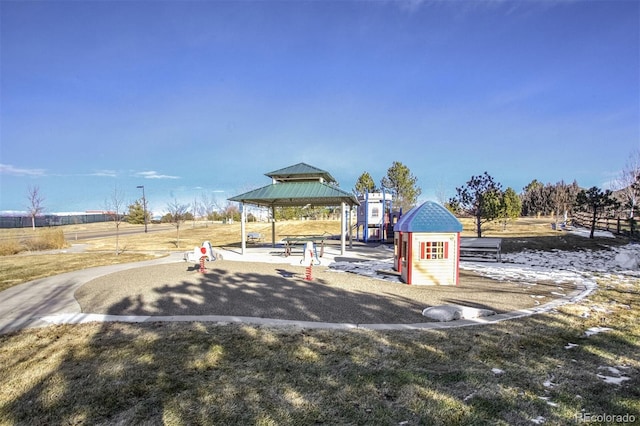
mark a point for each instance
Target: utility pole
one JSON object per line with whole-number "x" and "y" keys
{"x": 144, "y": 207}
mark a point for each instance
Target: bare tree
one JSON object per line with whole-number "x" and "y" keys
{"x": 629, "y": 183}
{"x": 177, "y": 213}
{"x": 441, "y": 194}
{"x": 231, "y": 211}
{"x": 196, "y": 211}
{"x": 208, "y": 205}
{"x": 115, "y": 206}
{"x": 35, "y": 207}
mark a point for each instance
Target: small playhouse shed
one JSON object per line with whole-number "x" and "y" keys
{"x": 427, "y": 246}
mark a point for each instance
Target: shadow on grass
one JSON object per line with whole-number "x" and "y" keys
{"x": 195, "y": 373}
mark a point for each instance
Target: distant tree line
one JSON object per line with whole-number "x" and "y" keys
{"x": 481, "y": 198}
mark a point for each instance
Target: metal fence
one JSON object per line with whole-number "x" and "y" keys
{"x": 53, "y": 220}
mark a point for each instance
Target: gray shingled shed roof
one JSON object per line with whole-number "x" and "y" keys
{"x": 428, "y": 217}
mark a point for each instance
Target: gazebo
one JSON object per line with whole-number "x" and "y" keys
{"x": 297, "y": 185}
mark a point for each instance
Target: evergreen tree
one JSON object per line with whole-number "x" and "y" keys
{"x": 364, "y": 184}
{"x": 402, "y": 185}
{"x": 136, "y": 214}
{"x": 510, "y": 206}
{"x": 532, "y": 199}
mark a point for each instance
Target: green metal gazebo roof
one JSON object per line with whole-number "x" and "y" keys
{"x": 301, "y": 171}
{"x": 298, "y": 185}
{"x": 297, "y": 194}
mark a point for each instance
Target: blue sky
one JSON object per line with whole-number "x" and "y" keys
{"x": 204, "y": 97}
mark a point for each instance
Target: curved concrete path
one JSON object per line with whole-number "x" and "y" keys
{"x": 51, "y": 300}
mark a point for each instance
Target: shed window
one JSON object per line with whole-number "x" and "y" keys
{"x": 434, "y": 250}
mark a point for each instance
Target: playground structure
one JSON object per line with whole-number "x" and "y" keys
{"x": 376, "y": 217}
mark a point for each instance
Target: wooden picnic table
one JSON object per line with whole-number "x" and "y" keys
{"x": 292, "y": 240}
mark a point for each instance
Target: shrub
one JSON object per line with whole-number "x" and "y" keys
{"x": 10, "y": 246}
{"x": 46, "y": 240}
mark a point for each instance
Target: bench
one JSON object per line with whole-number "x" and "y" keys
{"x": 480, "y": 247}
{"x": 254, "y": 237}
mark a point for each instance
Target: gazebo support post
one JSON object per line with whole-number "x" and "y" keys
{"x": 349, "y": 227}
{"x": 243, "y": 230}
{"x": 342, "y": 227}
{"x": 273, "y": 226}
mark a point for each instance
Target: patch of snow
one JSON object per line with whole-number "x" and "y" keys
{"x": 538, "y": 420}
{"x": 497, "y": 371}
{"x": 468, "y": 397}
{"x": 528, "y": 266}
{"x": 580, "y": 261}
{"x": 596, "y": 330}
{"x": 368, "y": 268}
{"x": 571, "y": 346}
{"x": 626, "y": 260}
{"x": 548, "y": 401}
{"x": 613, "y": 380}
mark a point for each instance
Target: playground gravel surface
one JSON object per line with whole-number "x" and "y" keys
{"x": 283, "y": 291}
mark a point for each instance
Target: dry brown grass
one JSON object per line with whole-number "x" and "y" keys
{"x": 17, "y": 241}
{"x": 19, "y": 269}
{"x": 194, "y": 233}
